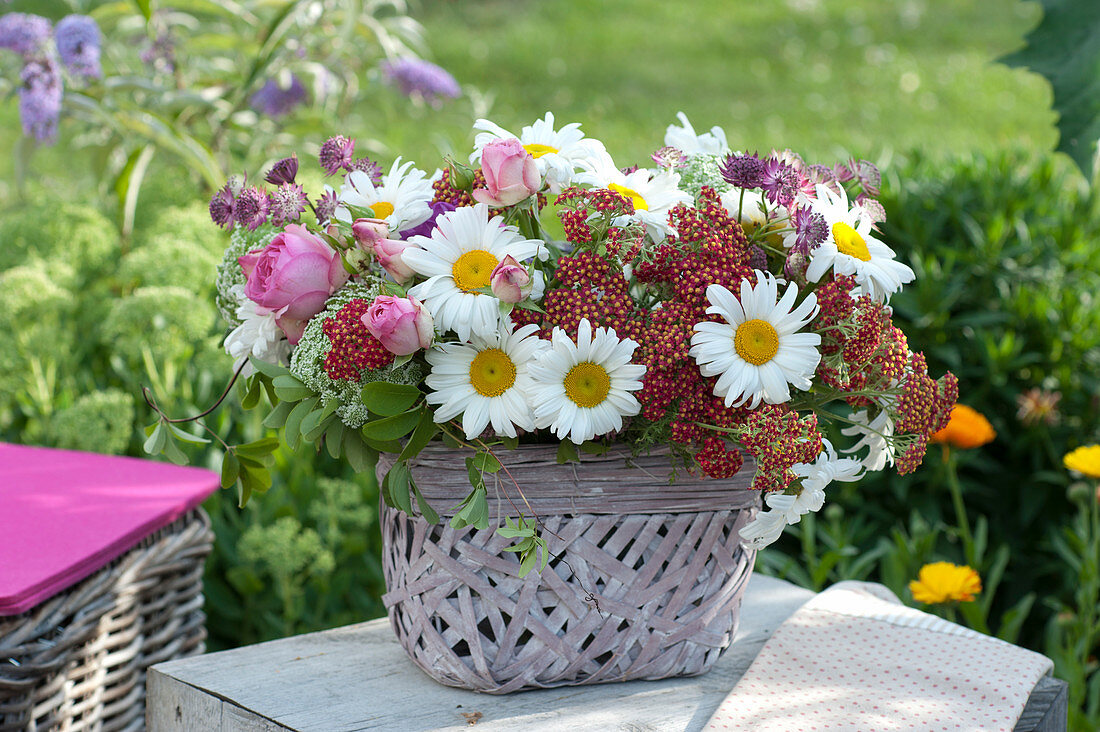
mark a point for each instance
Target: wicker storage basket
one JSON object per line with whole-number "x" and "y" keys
{"x": 77, "y": 661}
{"x": 647, "y": 584}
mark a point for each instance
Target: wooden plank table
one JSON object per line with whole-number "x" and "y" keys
{"x": 358, "y": 678}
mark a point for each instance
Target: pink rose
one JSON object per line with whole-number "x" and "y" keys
{"x": 402, "y": 324}
{"x": 510, "y": 174}
{"x": 292, "y": 277}
{"x": 510, "y": 280}
{"x": 388, "y": 253}
{"x": 369, "y": 231}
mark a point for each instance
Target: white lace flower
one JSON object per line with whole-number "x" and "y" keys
{"x": 685, "y": 139}
{"x": 785, "y": 509}
{"x": 258, "y": 335}
{"x": 557, "y": 153}
{"x": 402, "y": 199}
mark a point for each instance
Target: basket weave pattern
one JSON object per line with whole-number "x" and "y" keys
{"x": 648, "y": 582}
{"x": 78, "y": 660}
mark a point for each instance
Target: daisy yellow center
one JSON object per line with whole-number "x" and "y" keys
{"x": 381, "y": 209}
{"x": 635, "y": 197}
{"x": 587, "y": 384}
{"x": 472, "y": 270}
{"x": 537, "y": 150}
{"x": 756, "y": 341}
{"x": 848, "y": 241}
{"x": 492, "y": 372}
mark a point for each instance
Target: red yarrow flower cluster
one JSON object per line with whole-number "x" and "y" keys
{"x": 778, "y": 438}
{"x": 719, "y": 460}
{"x": 354, "y": 349}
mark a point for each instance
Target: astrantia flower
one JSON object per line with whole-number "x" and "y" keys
{"x": 486, "y": 381}
{"x": 758, "y": 351}
{"x": 458, "y": 259}
{"x": 288, "y": 201}
{"x": 945, "y": 582}
{"x": 875, "y": 434}
{"x": 850, "y": 249}
{"x": 582, "y": 390}
{"x": 685, "y": 138}
{"x": 77, "y": 38}
{"x": 557, "y": 153}
{"x": 784, "y": 509}
{"x": 221, "y": 206}
{"x": 258, "y": 335}
{"x": 336, "y": 152}
{"x": 1084, "y": 460}
{"x": 780, "y": 182}
{"x": 250, "y": 207}
{"x": 1038, "y": 406}
{"x": 368, "y": 166}
{"x": 810, "y": 230}
{"x": 325, "y": 206}
{"x": 653, "y": 194}
{"x": 420, "y": 78}
{"x": 743, "y": 171}
{"x": 401, "y": 199}
{"x": 284, "y": 171}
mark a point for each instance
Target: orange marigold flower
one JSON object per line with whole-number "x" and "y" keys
{"x": 968, "y": 428}
{"x": 945, "y": 582}
{"x": 1085, "y": 460}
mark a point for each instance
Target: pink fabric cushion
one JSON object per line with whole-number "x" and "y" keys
{"x": 64, "y": 515}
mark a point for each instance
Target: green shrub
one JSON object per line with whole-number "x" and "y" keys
{"x": 166, "y": 322}
{"x": 169, "y": 260}
{"x": 57, "y": 230}
{"x": 102, "y": 421}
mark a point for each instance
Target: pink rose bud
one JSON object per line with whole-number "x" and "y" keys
{"x": 369, "y": 231}
{"x": 510, "y": 174}
{"x": 402, "y": 324}
{"x": 292, "y": 277}
{"x": 388, "y": 254}
{"x": 510, "y": 280}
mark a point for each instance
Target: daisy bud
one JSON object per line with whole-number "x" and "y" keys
{"x": 510, "y": 280}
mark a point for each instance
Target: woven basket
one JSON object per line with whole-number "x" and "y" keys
{"x": 78, "y": 660}
{"x": 648, "y": 582}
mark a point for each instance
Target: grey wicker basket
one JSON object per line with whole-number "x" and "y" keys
{"x": 77, "y": 661}
{"x": 647, "y": 583}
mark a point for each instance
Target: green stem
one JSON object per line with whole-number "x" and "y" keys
{"x": 960, "y": 508}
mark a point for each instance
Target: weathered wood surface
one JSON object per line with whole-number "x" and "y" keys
{"x": 358, "y": 678}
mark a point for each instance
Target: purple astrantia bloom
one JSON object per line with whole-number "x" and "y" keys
{"x": 743, "y": 171}
{"x": 284, "y": 171}
{"x": 275, "y": 100}
{"x": 336, "y": 153}
{"x": 368, "y": 166}
{"x": 780, "y": 182}
{"x": 287, "y": 203}
{"x": 874, "y": 209}
{"x": 221, "y": 206}
{"x": 416, "y": 77}
{"x": 23, "y": 33}
{"x": 77, "y": 38}
{"x": 325, "y": 206}
{"x": 250, "y": 208}
{"x": 862, "y": 171}
{"x": 425, "y": 229}
{"x": 810, "y": 230}
{"x": 40, "y": 99}
{"x": 669, "y": 157}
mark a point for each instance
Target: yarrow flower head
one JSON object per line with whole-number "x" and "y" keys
{"x": 77, "y": 38}
{"x": 419, "y": 78}
{"x": 941, "y": 582}
{"x": 336, "y": 153}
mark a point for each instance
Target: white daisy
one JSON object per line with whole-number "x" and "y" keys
{"x": 557, "y": 153}
{"x": 258, "y": 335}
{"x": 685, "y": 139}
{"x": 850, "y": 249}
{"x": 486, "y": 380}
{"x": 757, "y": 352}
{"x": 582, "y": 390}
{"x": 402, "y": 199}
{"x": 785, "y": 509}
{"x": 873, "y": 434}
{"x": 653, "y": 194}
{"x": 458, "y": 259}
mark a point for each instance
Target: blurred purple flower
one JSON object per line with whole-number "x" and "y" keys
{"x": 417, "y": 77}
{"x": 77, "y": 38}
{"x": 161, "y": 53}
{"x": 40, "y": 99}
{"x": 23, "y": 33}
{"x": 275, "y": 101}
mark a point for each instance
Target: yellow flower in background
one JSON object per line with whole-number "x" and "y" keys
{"x": 1085, "y": 460}
{"x": 945, "y": 582}
{"x": 968, "y": 428}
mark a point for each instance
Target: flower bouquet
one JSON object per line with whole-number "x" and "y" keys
{"x": 608, "y": 406}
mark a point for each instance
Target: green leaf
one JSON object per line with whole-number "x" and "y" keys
{"x": 594, "y": 448}
{"x": 334, "y": 438}
{"x": 252, "y": 393}
{"x": 258, "y": 448}
{"x": 391, "y": 428}
{"x": 421, "y": 436}
{"x": 231, "y": 468}
{"x": 146, "y": 8}
{"x": 154, "y": 445}
{"x": 270, "y": 370}
{"x": 1065, "y": 48}
{"x": 173, "y": 453}
{"x": 386, "y": 399}
{"x": 426, "y": 511}
{"x": 293, "y": 428}
{"x": 291, "y": 389}
{"x": 128, "y": 183}
{"x": 393, "y": 446}
{"x": 397, "y": 484}
{"x": 277, "y": 417}
{"x": 567, "y": 453}
{"x": 360, "y": 456}
{"x": 186, "y": 436}
{"x": 483, "y": 462}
